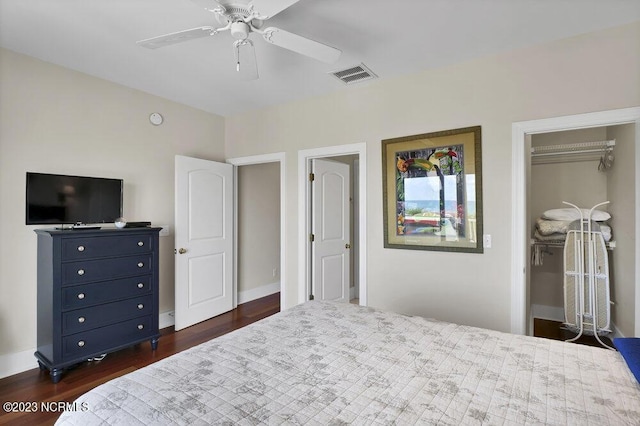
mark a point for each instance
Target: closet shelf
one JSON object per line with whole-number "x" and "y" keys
{"x": 560, "y": 244}
{"x": 582, "y": 151}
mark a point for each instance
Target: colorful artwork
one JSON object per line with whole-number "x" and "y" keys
{"x": 432, "y": 191}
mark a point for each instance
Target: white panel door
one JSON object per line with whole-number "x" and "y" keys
{"x": 331, "y": 213}
{"x": 204, "y": 240}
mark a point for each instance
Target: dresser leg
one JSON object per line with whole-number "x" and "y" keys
{"x": 42, "y": 366}
{"x": 56, "y": 374}
{"x": 154, "y": 344}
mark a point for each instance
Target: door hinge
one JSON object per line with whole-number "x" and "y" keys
{"x": 311, "y": 297}
{"x": 311, "y": 177}
{"x": 312, "y": 237}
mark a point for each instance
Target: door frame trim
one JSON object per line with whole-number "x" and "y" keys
{"x": 519, "y": 169}
{"x": 278, "y": 157}
{"x": 304, "y": 215}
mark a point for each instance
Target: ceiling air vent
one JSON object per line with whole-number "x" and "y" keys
{"x": 355, "y": 74}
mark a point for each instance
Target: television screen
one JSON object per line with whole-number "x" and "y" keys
{"x": 60, "y": 199}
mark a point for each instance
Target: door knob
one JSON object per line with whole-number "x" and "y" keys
{"x": 182, "y": 250}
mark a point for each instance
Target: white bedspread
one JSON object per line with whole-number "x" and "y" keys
{"x": 328, "y": 363}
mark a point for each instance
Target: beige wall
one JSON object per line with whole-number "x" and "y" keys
{"x": 622, "y": 194}
{"x": 570, "y": 76}
{"x": 59, "y": 121}
{"x": 258, "y": 225}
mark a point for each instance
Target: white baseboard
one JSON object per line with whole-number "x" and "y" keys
{"x": 166, "y": 319}
{"x": 616, "y": 332}
{"x": 17, "y": 362}
{"x": 258, "y": 292}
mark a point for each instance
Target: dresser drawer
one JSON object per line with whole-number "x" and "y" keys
{"x": 103, "y": 269}
{"x": 92, "y": 247}
{"x": 99, "y": 316}
{"x": 92, "y": 294}
{"x": 104, "y": 338}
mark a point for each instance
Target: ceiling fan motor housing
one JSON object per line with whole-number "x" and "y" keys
{"x": 240, "y": 30}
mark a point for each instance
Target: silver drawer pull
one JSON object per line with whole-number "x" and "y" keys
{"x": 140, "y": 243}
{"x": 80, "y": 248}
{"x": 80, "y": 271}
{"x": 81, "y": 296}
{"x": 140, "y": 306}
{"x": 81, "y": 343}
{"x": 81, "y": 320}
{"x": 140, "y": 326}
{"x": 140, "y": 264}
{"x": 140, "y": 285}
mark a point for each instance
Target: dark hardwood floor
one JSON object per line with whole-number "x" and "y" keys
{"x": 36, "y": 386}
{"x": 554, "y": 330}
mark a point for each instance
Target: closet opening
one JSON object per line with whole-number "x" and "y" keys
{"x": 586, "y": 168}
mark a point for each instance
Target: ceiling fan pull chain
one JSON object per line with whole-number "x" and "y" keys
{"x": 238, "y": 57}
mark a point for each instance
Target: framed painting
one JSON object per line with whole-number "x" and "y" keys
{"x": 432, "y": 191}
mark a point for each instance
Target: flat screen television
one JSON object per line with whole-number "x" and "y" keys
{"x": 61, "y": 199}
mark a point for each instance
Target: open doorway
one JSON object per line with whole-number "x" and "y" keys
{"x": 258, "y": 231}
{"x": 523, "y": 132}
{"x": 579, "y": 167}
{"x": 355, "y": 157}
{"x": 260, "y": 223}
{"x": 333, "y": 210}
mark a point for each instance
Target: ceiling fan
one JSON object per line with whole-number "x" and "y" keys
{"x": 242, "y": 18}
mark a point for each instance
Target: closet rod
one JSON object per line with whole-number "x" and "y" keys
{"x": 574, "y": 148}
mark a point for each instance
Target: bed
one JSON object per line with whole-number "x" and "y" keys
{"x": 325, "y": 363}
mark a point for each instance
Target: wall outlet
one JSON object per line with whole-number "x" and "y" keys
{"x": 275, "y": 272}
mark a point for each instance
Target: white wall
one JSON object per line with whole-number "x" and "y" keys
{"x": 560, "y": 78}
{"x": 55, "y": 120}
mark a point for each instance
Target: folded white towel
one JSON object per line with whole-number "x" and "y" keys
{"x": 571, "y": 214}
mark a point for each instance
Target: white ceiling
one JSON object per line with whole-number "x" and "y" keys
{"x": 393, "y": 38}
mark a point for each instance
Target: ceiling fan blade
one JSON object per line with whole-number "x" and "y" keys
{"x": 246, "y": 64}
{"x": 209, "y": 5}
{"x": 266, "y": 9}
{"x": 177, "y": 37}
{"x": 302, "y": 45}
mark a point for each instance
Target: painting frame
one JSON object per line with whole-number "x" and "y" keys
{"x": 432, "y": 191}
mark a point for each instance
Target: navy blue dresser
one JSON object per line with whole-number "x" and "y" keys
{"x": 97, "y": 293}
